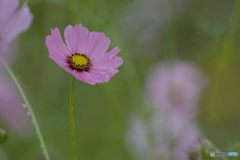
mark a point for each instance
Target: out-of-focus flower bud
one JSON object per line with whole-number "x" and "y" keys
{"x": 202, "y": 151}
{"x": 3, "y": 136}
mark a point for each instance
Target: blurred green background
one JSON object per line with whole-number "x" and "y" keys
{"x": 203, "y": 32}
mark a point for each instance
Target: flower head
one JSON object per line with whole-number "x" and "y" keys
{"x": 11, "y": 110}
{"x": 12, "y": 23}
{"x": 3, "y": 136}
{"x": 84, "y": 54}
{"x": 174, "y": 89}
{"x": 163, "y": 136}
{"x": 176, "y": 86}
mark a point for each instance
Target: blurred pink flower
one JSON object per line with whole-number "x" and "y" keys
{"x": 175, "y": 86}
{"x": 174, "y": 89}
{"x": 174, "y": 134}
{"x": 137, "y": 138}
{"x": 12, "y": 23}
{"x": 84, "y": 55}
{"x": 11, "y": 109}
{"x": 166, "y": 136}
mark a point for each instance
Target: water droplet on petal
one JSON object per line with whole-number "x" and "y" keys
{"x": 111, "y": 58}
{"x": 103, "y": 72}
{"x": 24, "y": 105}
{"x": 3, "y": 136}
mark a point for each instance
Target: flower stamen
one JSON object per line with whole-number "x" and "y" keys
{"x": 79, "y": 61}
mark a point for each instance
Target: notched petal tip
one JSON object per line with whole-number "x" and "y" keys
{"x": 54, "y": 30}
{"x": 115, "y": 51}
{"x": 79, "y": 25}
{"x": 27, "y": 10}
{"x": 119, "y": 61}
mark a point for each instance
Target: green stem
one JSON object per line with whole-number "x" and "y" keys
{"x": 35, "y": 123}
{"x": 74, "y": 144}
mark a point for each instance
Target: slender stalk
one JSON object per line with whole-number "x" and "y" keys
{"x": 73, "y": 135}
{"x": 35, "y": 123}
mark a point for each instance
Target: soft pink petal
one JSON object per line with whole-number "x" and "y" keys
{"x": 109, "y": 59}
{"x": 85, "y": 77}
{"x": 11, "y": 109}
{"x": 103, "y": 68}
{"x": 75, "y": 38}
{"x": 102, "y": 75}
{"x": 53, "y": 55}
{"x": 4, "y": 51}
{"x": 61, "y": 62}
{"x": 182, "y": 79}
{"x": 97, "y": 43}
{"x": 7, "y": 7}
{"x": 17, "y": 23}
{"x": 137, "y": 138}
{"x": 55, "y": 45}
{"x": 58, "y": 50}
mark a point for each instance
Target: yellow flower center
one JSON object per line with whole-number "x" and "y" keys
{"x": 79, "y": 61}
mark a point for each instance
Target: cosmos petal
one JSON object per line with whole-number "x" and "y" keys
{"x": 55, "y": 44}
{"x": 85, "y": 77}
{"x": 17, "y": 23}
{"x": 7, "y": 8}
{"x": 97, "y": 43}
{"x": 11, "y": 109}
{"x": 101, "y": 75}
{"x": 75, "y": 38}
{"x": 109, "y": 59}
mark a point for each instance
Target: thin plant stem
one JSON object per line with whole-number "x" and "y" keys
{"x": 34, "y": 120}
{"x": 72, "y": 123}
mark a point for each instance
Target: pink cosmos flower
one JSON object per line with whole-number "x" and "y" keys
{"x": 11, "y": 110}
{"x": 174, "y": 134}
{"x": 174, "y": 89}
{"x": 12, "y": 23}
{"x": 137, "y": 138}
{"x": 176, "y": 86}
{"x": 166, "y": 136}
{"x": 84, "y": 55}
